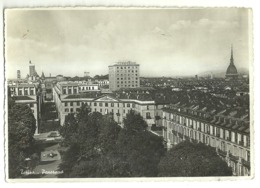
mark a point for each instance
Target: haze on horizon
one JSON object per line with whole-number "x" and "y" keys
{"x": 165, "y": 42}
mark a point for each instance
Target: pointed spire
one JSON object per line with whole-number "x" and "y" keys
{"x": 231, "y": 58}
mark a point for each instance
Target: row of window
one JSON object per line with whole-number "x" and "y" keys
{"x": 130, "y": 67}
{"x": 71, "y": 110}
{"x": 126, "y": 82}
{"x": 129, "y": 78}
{"x": 228, "y": 135}
{"x": 127, "y": 86}
{"x": 26, "y": 91}
{"x": 126, "y": 71}
{"x": 128, "y": 75}
{"x": 105, "y": 104}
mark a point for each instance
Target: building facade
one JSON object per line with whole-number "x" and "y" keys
{"x": 70, "y": 100}
{"x": 25, "y": 93}
{"x": 228, "y": 135}
{"x": 124, "y": 75}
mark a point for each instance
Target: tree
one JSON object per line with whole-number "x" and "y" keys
{"x": 69, "y": 130}
{"x": 191, "y": 159}
{"x": 21, "y": 128}
{"x": 91, "y": 155}
{"x": 140, "y": 150}
{"x": 134, "y": 122}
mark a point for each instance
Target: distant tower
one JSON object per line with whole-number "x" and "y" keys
{"x": 231, "y": 72}
{"x": 86, "y": 74}
{"x": 211, "y": 75}
{"x": 127, "y": 72}
{"x": 18, "y": 74}
{"x": 31, "y": 69}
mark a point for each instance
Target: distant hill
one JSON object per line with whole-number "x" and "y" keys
{"x": 223, "y": 73}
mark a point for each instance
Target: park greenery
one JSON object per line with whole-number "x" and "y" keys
{"x": 188, "y": 159}
{"x": 99, "y": 147}
{"x": 21, "y": 128}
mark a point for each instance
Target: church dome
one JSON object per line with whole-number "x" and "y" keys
{"x": 231, "y": 69}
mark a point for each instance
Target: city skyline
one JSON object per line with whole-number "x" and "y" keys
{"x": 148, "y": 37}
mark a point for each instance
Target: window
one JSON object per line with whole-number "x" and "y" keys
{"x": 123, "y": 111}
{"x": 64, "y": 91}
{"x": 100, "y": 104}
{"x": 20, "y": 92}
{"x": 118, "y": 105}
{"x": 75, "y": 90}
{"x": 133, "y": 105}
{"x": 128, "y": 105}
{"x": 66, "y": 110}
{"x": 65, "y": 104}
{"x": 70, "y": 90}
{"x": 123, "y": 104}
{"x": 71, "y": 110}
{"x": 148, "y": 115}
{"x": 31, "y": 105}
{"x": 112, "y": 104}
{"x": 101, "y": 110}
{"x": 147, "y": 107}
{"x": 71, "y": 103}
{"x": 95, "y": 104}
{"x": 25, "y": 91}
{"x": 106, "y": 104}
{"x": 31, "y": 91}
{"x": 78, "y": 103}
{"x": 112, "y": 110}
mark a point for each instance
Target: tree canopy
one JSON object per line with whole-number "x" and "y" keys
{"x": 21, "y": 128}
{"x": 103, "y": 149}
{"x": 192, "y": 159}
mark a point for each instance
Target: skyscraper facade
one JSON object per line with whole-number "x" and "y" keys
{"x": 124, "y": 75}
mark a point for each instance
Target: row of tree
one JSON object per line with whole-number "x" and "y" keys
{"x": 99, "y": 147}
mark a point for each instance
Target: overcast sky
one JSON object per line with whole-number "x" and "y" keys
{"x": 173, "y": 42}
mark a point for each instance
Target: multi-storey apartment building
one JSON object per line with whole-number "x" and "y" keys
{"x": 124, "y": 75}
{"x": 26, "y": 93}
{"x": 118, "y": 103}
{"x": 227, "y": 130}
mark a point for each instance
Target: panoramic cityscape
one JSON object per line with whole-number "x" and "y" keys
{"x": 173, "y": 107}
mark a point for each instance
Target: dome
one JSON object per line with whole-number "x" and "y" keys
{"x": 231, "y": 69}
